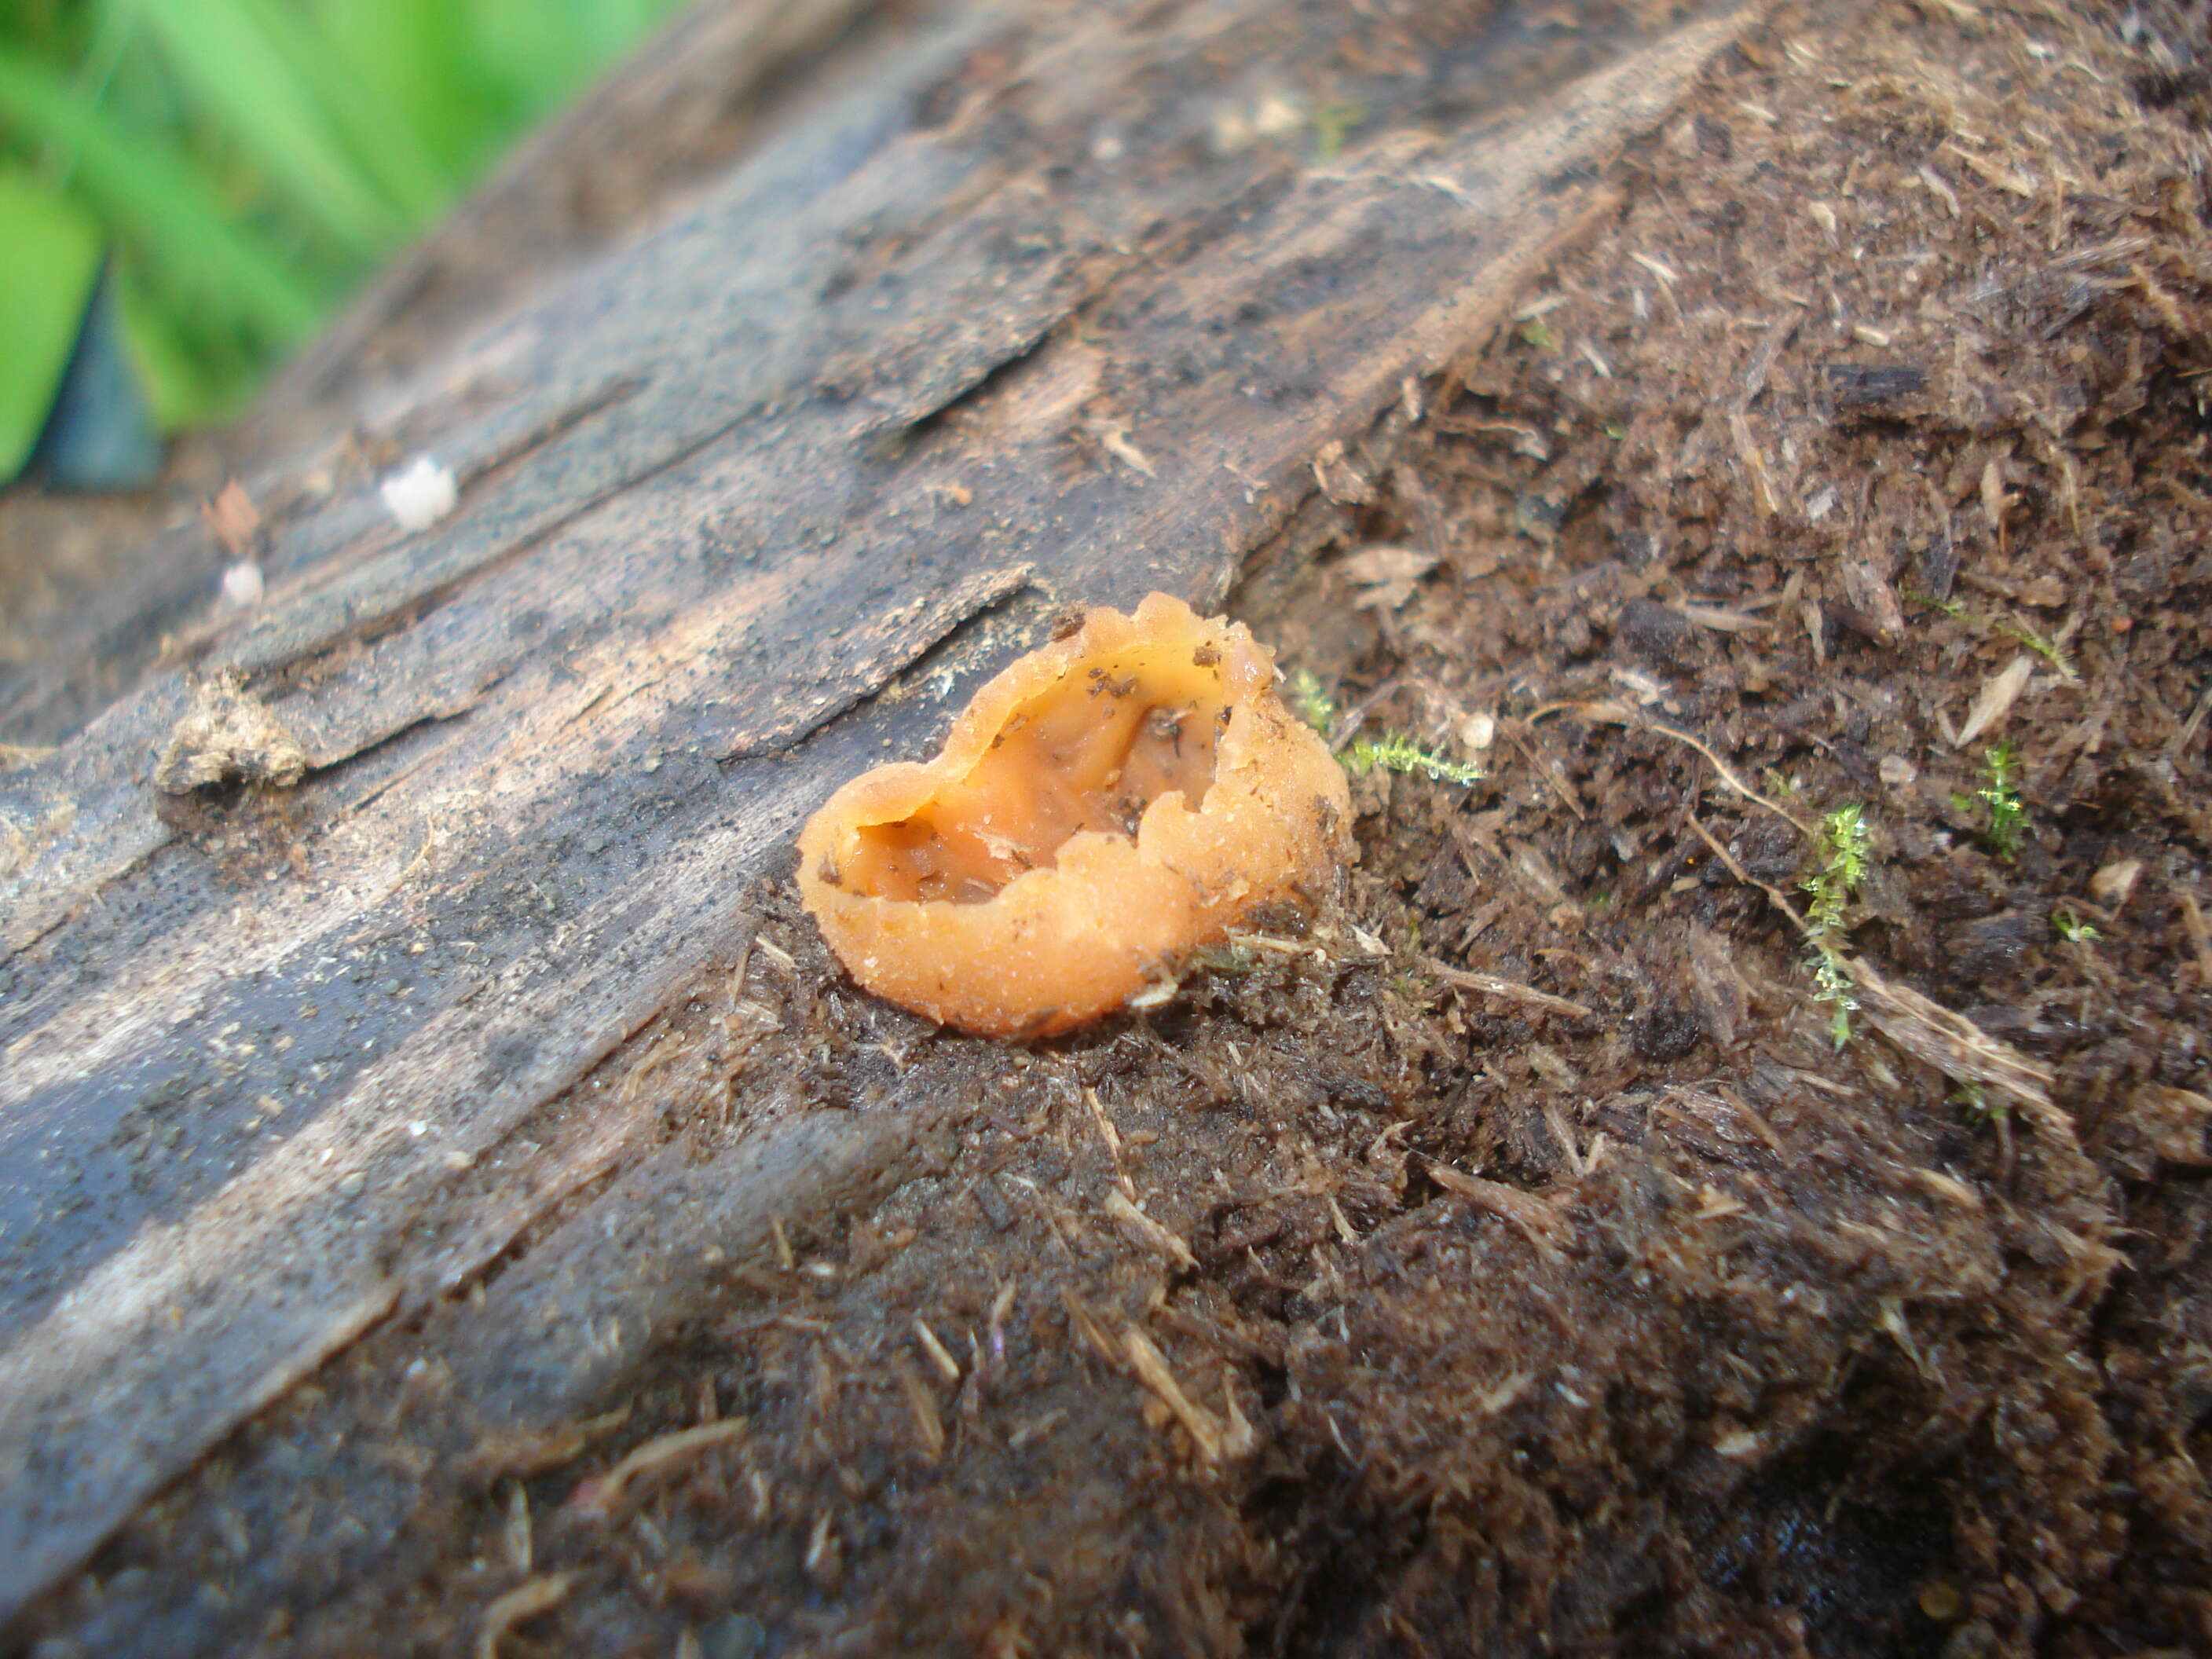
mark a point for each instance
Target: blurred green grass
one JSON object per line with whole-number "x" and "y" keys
{"x": 246, "y": 163}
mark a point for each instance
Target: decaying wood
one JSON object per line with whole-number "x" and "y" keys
{"x": 995, "y": 323}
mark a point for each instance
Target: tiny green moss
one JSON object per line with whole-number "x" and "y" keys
{"x": 1840, "y": 853}
{"x": 1310, "y": 702}
{"x": 1332, "y": 125}
{"x": 1228, "y": 959}
{"x": 1396, "y": 753}
{"x": 2071, "y": 928}
{"x": 1979, "y": 1104}
{"x": 2006, "y": 829}
{"x": 1308, "y": 699}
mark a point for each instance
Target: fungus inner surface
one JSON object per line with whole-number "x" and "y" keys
{"x": 1089, "y": 752}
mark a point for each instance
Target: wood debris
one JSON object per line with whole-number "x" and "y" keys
{"x": 1959, "y": 1048}
{"x": 1086, "y": 1325}
{"x": 1115, "y": 442}
{"x": 1753, "y": 462}
{"x": 2112, "y": 882}
{"x": 522, "y": 1456}
{"x": 229, "y": 735}
{"x": 1491, "y": 985}
{"x": 1994, "y": 173}
{"x": 1721, "y": 619}
{"x": 529, "y": 1599}
{"x": 2200, "y": 935}
{"x": 1538, "y": 1221}
{"x": 1112, "y": 1138}
{"x": 922, "y": 1401}
{"x": 602, "y": 1494}
{"x": 517, "y": 1536}
{"x": 935, "y": 1351}
{"x": 233, "y": 520}
{"x": 1387, "y": 576}
{"x": 2177, "y": 1119}
{"x": 1996, "y": 699}
{"x": 1949, "y": 1187}
{"x": 1148, "y": 1232}
{"x": 1214, "y": 1438}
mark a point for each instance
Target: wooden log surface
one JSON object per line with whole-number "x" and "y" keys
{"x": 1014, "y": 308}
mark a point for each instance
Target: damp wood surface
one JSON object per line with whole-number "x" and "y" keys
{"x": 1514, "y": 1262}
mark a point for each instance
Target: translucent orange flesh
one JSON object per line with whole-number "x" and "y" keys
{"x": 1107, "y": 804}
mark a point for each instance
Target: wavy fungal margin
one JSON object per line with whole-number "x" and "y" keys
{"x": 1111, "y": 803}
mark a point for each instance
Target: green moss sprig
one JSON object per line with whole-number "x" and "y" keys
{"x": 2010, "y": 628}
{"x": 1393, "y": 752}
{"x": 1398, "y": 753}
{"x": 1310, "y": 702}
{"x": 1840, "y": 851}
{"x": 2006, "y": 829}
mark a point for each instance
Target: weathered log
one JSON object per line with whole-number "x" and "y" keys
{"x": 1000, "y": 318}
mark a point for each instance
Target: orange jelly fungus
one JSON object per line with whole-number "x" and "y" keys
{"x": 1111, "y": 803}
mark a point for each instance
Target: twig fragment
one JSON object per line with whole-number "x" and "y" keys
{"x": 1615, "y": 714}
{"x": 939, "y": 1355}
{"x": 525, "y": 1602}
{"x": 1959, "y": 1048}
{"x": 1214, "y": 1441}
{"x": 1112, "y": 1137}
{"x": 2192, "y": 918}
{"x": 1536, "y": 1220}
{"x": 927, "y": 1423}
{"x": 1511, "y": 990}
{"x": 600, "y": 1496}
{"x": 1996, "y": 699}
{"x": 1926, "y": 1030}
{"x": 1146, "y": 1231}
{"x": 522, "y": 1456}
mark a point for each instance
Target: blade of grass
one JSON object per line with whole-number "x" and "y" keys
{"x": 610, "y": 28}
{"x": 246, "y": 157}
{"x": 49, "y": 257}
{"x": 188, "y": 381}
{"x": 383, "y": 145}
{"x": 240, "y": 79}
{"x": 414, "y": 53}
{"x": 144, "y": 192}
{"x": 532, "y": 48}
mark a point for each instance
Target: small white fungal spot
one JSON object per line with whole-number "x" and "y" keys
{"x": 421, "y": 495}
{"x": 1277, "y": 117}
{"x": 242, "y": 585}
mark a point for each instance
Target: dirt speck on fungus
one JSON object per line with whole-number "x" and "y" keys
{"x": 1514, "y": 1262}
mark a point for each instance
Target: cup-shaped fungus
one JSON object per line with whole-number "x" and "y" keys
{"x": 1110, "y": 803}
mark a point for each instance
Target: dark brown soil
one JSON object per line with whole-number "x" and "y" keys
{"x": 1604, "y": 1303}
